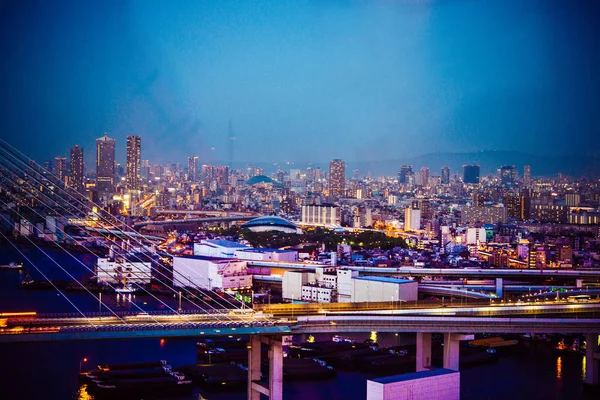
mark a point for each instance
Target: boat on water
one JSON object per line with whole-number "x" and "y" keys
{"x": 106, "y": 370}
{"x": 343, "y": 339}
{"x": 138, "y": 380}
{"x": 129, "y": 373}
{"x": 575, "y": 348}
{"x": 127, "y": 288}
{"x": 170, "y": 385}
{"x": 12, "y": 265}
{"x": 149, "y": 364}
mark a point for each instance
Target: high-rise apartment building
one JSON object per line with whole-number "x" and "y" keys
{"x": 133, "y": 177}
{"x": 471, "y": 174}
{"x": 572, "y": 199}
{"x": 76, "y": 180}
{"x": 325, "y": 214}
{"x": 48, "y": 166}
{"x": 508, "y": 175}
{"x": 517, "y": 206}
{"x": 412, "y": 219}
{"x": 445, "y": 175}
{"x": 527, "y": 176}
{"x": 193, "y": 168}
{"x": 105, "y": 163}
{"x": 337, "y": 178}
{"x": 59, "y": 168}
{"x": 486, "y": 215}
{"x": 425, "y": 176}
{"x": 145, "y": 169}
{"x": 404, "y": 174}
{"x": 222, "y": 175}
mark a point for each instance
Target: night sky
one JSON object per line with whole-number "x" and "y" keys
{"x": 303, "y": 81}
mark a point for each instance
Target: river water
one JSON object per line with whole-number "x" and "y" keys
{"x": 49, "y": 370}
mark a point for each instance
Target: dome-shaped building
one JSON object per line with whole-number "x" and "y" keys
{"x": 255, "y": 180}
{"x": 271, "y": 223}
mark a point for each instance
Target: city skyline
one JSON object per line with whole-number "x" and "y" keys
{"x": 350, "y": 77}
{"x": 358, "y": 199}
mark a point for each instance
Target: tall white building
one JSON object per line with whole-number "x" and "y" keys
{"x": 476, "y": 235}
{"x": 326, "y": 214}
{"x": 412, "y": 219}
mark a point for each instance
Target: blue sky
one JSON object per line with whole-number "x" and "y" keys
{"x": 302, "y": 80}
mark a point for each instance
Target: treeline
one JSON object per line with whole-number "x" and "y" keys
{"x": 315, "y": 238}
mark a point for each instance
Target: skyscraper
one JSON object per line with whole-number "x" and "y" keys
{"x": 60, "y": 168}
{"x": 193, "y": 168}
{"x": 133, "y": 167}
{"x": 425, "y": 176}
{"x": 48, "y": 166}
{"x": 445, "y": 176}
{"x": 145, "y": 169}
{"x": 105, "y": 163}
{"x": 508, "y": 175}
{"x": 527, "y": 176}
{"x": 76, "y": 181}
{"x": 403, "y": 175}
{"x": 337, "y": 178}
{"x": 222, "y": 175}
{"x": 471, "y": 174}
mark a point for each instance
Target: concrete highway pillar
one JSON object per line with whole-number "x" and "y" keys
{"x": 579, "y": 283}
{"x": 423, "y": 351}
{"x": 254, "y": 345}
{"x": 451, "y": 349}
{"x": 499, "y": 288}
{"x": 591, "y": 359}
{"x": 275, "y": 369}
{"x": 255, "y": 386}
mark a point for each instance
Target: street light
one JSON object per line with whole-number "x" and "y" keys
{"x": 81, "y": 362}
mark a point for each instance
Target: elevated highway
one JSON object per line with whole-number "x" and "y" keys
{"x": 282, "y": 318}
{"x": 442, "y": 272}
{"x": 191, "y": 221}
{"x": 452, "y": 324}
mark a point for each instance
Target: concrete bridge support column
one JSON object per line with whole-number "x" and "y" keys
{"x": 451, "y": 349}
{"x": 423, "y": 351}
{"x": 255, "y": 386}
{"x": 592, "y": 359}
{"x": 499, "y": 287}
{"x": 275, "y": 369}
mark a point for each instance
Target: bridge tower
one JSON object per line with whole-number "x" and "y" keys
{"x": 255, "y": 387}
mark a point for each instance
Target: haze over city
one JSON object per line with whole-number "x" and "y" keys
{"x": 360, "y": 199}
{"x": 302, "y": 81}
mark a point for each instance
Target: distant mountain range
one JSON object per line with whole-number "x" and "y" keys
{"x": 490, "y": 161}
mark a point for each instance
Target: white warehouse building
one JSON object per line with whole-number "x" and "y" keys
{"x": 375, "y": 288}
{"x": 261, "y": 254}
{"x": 116, "y": 270}
{"x": 210, "y": 272}
{"x": 330, "y": 285}
{"x": 218, "y": 248}
{"x": 319, "y": 286}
